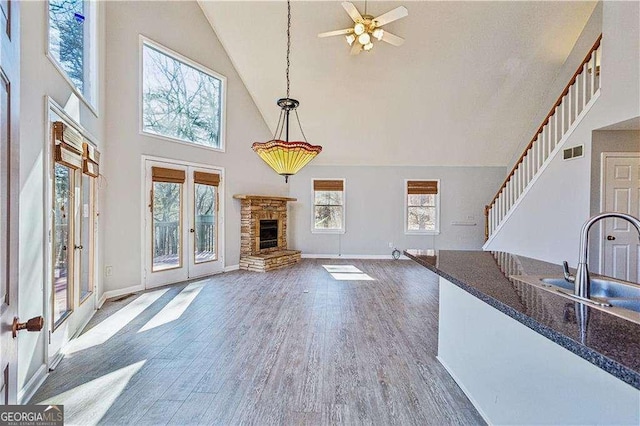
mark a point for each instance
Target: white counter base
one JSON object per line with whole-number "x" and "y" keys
{"x": 513, "y": 375}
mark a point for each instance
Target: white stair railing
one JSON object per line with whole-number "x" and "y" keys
{"x": 565, "y": 114}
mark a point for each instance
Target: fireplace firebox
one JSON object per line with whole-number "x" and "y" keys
{"x": 268, "y": 234}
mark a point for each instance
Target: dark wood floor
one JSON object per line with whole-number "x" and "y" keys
{"x": 287, "y": 347}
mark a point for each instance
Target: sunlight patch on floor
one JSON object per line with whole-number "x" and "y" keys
{"x": 114, "y": 323}
{"x": 175, "y": 308}
{"x": 347, "y": 273}
{"x": 88, "y": 403}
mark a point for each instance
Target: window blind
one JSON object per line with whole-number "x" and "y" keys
{"x": 328, "y": 185}
{"x": 212, "y": 179}
{"x": 67, "y": 145}
{"x": 422, "y": 187}
{"x": 90, "y": 160}
{"x": 161, "y": 174}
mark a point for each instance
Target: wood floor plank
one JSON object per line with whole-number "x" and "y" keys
{"x": 288, "y": 347}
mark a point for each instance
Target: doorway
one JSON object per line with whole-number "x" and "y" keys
{"x": 183, "y": 221}
{"x": 620, "y": 193}
{"x": 73, "y": 229}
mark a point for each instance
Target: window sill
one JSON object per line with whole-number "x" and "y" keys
{"x": 421, "y": 232}
{"x": 182, "y": 142}
{"x": 72, "y": 86}
{"x": 327, "y": 231}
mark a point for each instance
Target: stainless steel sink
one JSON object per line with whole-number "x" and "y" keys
{"x": 620, "y": 298}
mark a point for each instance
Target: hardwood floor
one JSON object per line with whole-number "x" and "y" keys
{"x": 294, "y": 346}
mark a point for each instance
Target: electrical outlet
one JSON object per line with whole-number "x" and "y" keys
{"x": 108, "y": 271}
{"x": 390, "y": 245}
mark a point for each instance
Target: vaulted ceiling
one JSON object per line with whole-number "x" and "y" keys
{"x": 462, "y": 90}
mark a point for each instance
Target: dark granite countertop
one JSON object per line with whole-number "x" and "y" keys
{"x": 607, "y": 341}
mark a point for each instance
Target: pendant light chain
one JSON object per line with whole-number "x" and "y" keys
{"x": 288, "y": 43}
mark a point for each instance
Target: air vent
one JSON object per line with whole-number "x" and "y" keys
{"x": 573, "y": 152}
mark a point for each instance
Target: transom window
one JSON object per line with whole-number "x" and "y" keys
{"x": 72, "y": 44}
{"x": 328, "y": 205}
{"x": 422, "y": 206}
{"x": 181, "y": 100}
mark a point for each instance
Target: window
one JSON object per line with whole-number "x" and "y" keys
{"x": 72, "y": 44}
{"x": 422, "y": 206}
{"x": 328, "y": 206}
{"x": 181, "y": 100}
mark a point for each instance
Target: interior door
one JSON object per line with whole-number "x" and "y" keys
{"x": 620, "y": 244}
{"x": 9, "y": 195}
{"x": 182, "y": 222}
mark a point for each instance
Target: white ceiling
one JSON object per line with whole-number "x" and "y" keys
{"x": 461, "y": 91}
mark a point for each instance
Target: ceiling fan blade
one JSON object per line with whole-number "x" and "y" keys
{"x": 352, "y": 11}
{"x": 392, "y": 39}
{"x": 356, "y": 48}
{"x": 336, "y": 33}
{"x": 390, "y": 16}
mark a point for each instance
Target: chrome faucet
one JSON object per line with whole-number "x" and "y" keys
{"x": 582, "y": 282}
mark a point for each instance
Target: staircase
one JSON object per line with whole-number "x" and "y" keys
{"x": 565, "y": 115}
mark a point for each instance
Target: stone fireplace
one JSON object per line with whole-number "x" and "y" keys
{"x": 263, "y": 233}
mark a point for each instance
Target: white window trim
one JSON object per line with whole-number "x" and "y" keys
{"x": 93, "y": 59}
{"x": 181, "y": 58}
{"x": 406, "y": 209}
{"x": 342, "y": 230}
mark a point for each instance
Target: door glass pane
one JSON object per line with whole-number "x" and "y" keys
{"x": 86, "y": 230}
{"x": 167, "y": 233}
{"x": 61, "y": 247}
{"x": 205, "y": 223}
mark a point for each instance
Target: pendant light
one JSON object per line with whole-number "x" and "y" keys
{"x": 283, "y": 156}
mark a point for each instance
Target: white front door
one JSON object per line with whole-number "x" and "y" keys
{"x": 182, "y": 222}
{"x": 9, "y": 196}
{"x": 620, "y": 244}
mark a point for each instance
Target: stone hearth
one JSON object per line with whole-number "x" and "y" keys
{"x": 255, "y": 208}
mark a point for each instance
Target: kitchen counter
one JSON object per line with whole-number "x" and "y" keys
{"x": 609, "y": 342}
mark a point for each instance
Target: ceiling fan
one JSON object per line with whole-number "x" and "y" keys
{"x": 366, "y": 28}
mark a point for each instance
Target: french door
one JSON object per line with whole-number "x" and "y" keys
{"x": 182, "y": 222}
{"x": 73, "y": 233}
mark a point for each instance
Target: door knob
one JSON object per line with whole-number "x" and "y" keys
{"x": 34, "y": 324}
{"x": 610, "y": 237}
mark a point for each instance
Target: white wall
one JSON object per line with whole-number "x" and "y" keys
{"x": 547, "y": 223}
{"x": 375, "y": 208}
{"x": 38, "y": 79}
{"x": 182, "y": 27}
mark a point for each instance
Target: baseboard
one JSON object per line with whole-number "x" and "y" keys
{"x": 465, "y": 391}
{"x": 231, "y": 268}
{"x": 352, "y": 256}
{"x": 55, "y": 360}
{"x": 121, "y": 292}
{"x": 27, "y": 392}
{"x": 102, "y": 299}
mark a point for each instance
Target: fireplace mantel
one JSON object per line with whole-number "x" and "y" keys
{"x": 254, "y": 210}
{"x": 262, "y": 197}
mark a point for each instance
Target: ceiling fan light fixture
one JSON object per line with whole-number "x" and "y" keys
{"x": 350, "y": 39}
{"x": 359, "y": 28}
{"x": 364, "y": 38}
{"x": 378, "y": 33}
{"x": 368, "y": 46}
